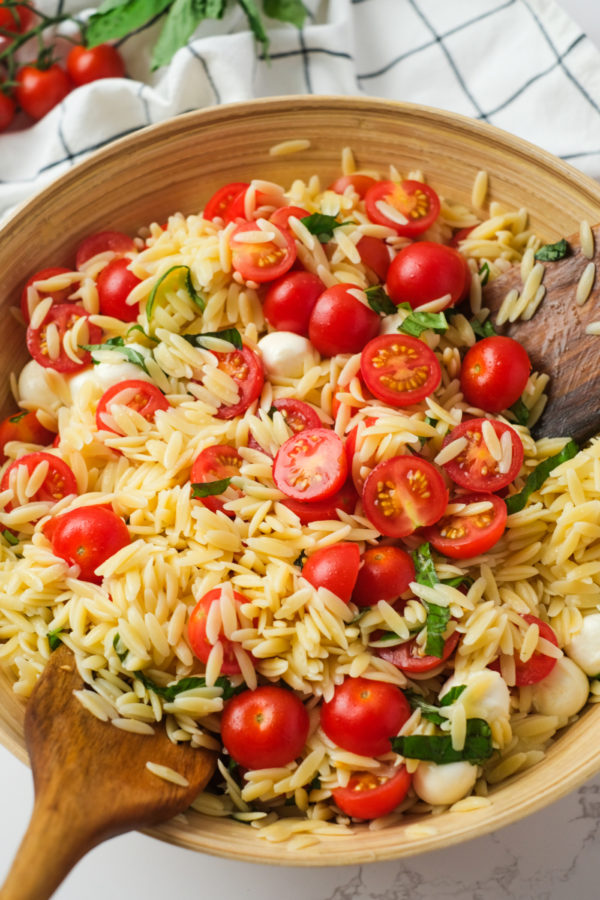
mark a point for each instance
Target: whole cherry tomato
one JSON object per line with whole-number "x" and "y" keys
{"x": 385, "y": 573}
{"x": 85, "y": 64}
{"x": 367, "y": 796}
{"x": 265, "y": 727}
{"x": 7, "y": 110}
{"x": 426, "y": 271}
{"x": 334, "y": 568}
{"x": 40, "y": 90}
{"x": 364, "y": 714}
{"x": 87, "y": 537}
{"x": 494, "y": 373}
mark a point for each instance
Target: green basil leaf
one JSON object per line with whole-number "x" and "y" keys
{"x": 535, "y": 480}
{"x": 425, "y": 573}
{"x": 255, "y": 23}
{"x": 458, "y": 580}
{"x": 226, "y": 334}
{"x": 293, "y": 11}
{"x": 380, "y": 302}
{"x": 174, "y": 279}
{"x": 54, "y": 639}
{"x": 122, "y": 654}
{"x": 483, "y": 329}
{"x": 116, "y": 18}
{"x": 437, "y": 616}
{"x": 438, "y": 748}
{"x": 321, "y": 226}
{"x": 484, "y": 274}
{"x": 149, "y": 337}
{"x": 210, "y": 488}
{"x": 452, "y": 695}
{"x": 520, "y": 412}
{"x": 118, "y": 344}
{"x": 183, "y": 18}
{"x": 300, "y": 560}
{"x": 17, "y": 417}
{"x": 552, "y": 252}
{"x": 10, "y": 538}
{"x": 417, "y": 322}
{"x": 428, "y": 711}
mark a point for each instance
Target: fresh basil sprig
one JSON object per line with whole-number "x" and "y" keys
{"x": 520, "y": 412}
{"x": 438, "y": 748}
{"x": 535, "y": 479}
{"x": 482, "y": 329}
{"x": 552, "y": 252}
{"x": 437, "y": 616}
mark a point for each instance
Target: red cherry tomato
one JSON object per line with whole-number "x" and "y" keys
{"x": 340, "y": 323}
{"x": 474, "y": 468}
{"x": 265, "y": 727}
{"x": 63, "y": 317}
{"x": 24, "y": 427}
{"x": 199, "y": 642}
{"x": 409, "y": 208}
{"x": 59, "y": 481}
{"x": 462, "y": 537}
{"x": 310, "y": 465}
{"x": 399, "y": 369}
{"x": 402, "y": 494}
{"x": 59, "y": 296}
{"x": 282, "y": 215}
{"x": 87, "y": 537}
{"x": 246, "y": 369}
{"x": 15, "y": 20}
{"x": 538, "y": 666}
{"x": 261, "y": 261}
{"x": 103, "y": 241}
{"x": 220, "y": 202}
{"x": 460, "y": 235}
{"x": 115, "y": 283}
{"x": 289, "y": 301}
{"x": 8, "y": 107}
{"x": 322, "y": 510}
{"x": 262, "y": 204}
{"x": 363, "y": 715}
{"x": 367, "y": 796}
{"x": 215, "y": 463}
{"x": 40, "y": 90}
{"x": 408, "y": 658}
{"x": 86, "y": 64}
{"x": 141, "y": 396}
{"x": 427, "y": 271}
{"x": 375, "y": 254}
{"x": 351, "y": 452}
{"x": 334, "y": 568}
{"x": 360, "y": 184}
{"x": 384, "y": 574}
{"x": 494, "y": 373}
{"x": 298, "y": 416}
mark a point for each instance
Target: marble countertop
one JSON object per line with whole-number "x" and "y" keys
{"x": 552, "y": 855}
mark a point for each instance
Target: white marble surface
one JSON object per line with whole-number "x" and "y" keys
{"x": 552, "y": 855}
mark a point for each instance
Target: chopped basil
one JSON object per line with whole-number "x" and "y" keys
{"x": 417, "y": 322}
{"x": 137, "y": 327}
{"x": 483, "y": 329}
{"x": 210, "y": 488}
{"x": 380, "y": 302}
{"x": 54, "y": 639}
{"x": 17, "y": 417}
{"x": 535, "y": 480}
{"x": 430, "y": 421}
{"x": 117, "y": 343}
{"x": 10, "y": 538}
{"x": 231, "y": 335}
{"x": 437, "y": 616}
{"x": 299, "y": 561}
{"x": 552, "y": 252}
{"x": 430, "y": 712}
{"x": 438, "y": 748}
{"x": 174, "y": 279}
{"x": 520, "y": 412}
{"x": 484, "y": 274}
{"x": 458, "y": 580}
{"x": 321, "y": 226}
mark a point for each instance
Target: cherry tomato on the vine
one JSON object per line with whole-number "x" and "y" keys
{"x": 494, "y": 373}
{"x": 539, "y": 665}
{"x": 141, "y": 396}
{"x": 61, "y": 318}
{"x": 402, "y": 494}
{"x": 40, "y": 90}
{"x": 400, "y": 369}
{"x": 289, "y": 301}
{"x": 265, "y": 727}
{"x": 7, "y": 109}
{"x": 364, "y": 714}
{"x": 340, "y": 322}
{"x": 475, "y": 468}
{"x": 368, "y": 796}
{"x": 101, "y": 242}
{"x": 115, "y": 283}
{"x": 15, "y": 20}
{"x": 464, "y": 536}
{"x": 199, "y": 642}
{"x": 409, "y": 207}
{"x": 310, "y": 465}
{"x": 427, "y": 271}
{"x": 335, "y": 568}
{"x": 384, "y": 574}
{"x": 85, "y": 64}
{"x": 87, "y": 537}
{"x": 25, "y": 427}
{"x": 408, "y": 657}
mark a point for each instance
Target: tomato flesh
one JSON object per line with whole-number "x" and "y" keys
{"x": 494, "y": 373}
{"x": 261, "y": 261}
{"x": 63, "y": 317}
{"x": 462, "y": 537}
{"x": 87, "y": 537}
{"x": 474, "y": 468}
{"x": 199, "y": 642}
{"x": 363, "y": 715}
{"x": 367, "y": 796}
{"x": 215, "y": 463}
{"x": 59, "y": 482}
{"x": 220, "y": 202}
{"x": 385, "y": 573}
{"x": 334, "y": 568}
{"x": 141, "y": 396}
{"x": 409, "y": 207}
{"x": 310, "y": 465}
{"x": 246, "y": 369}
{"x": 399, "y": 369}
{"x": 402, "y": 494}
{"x": 58, "y": 296}
{"x": 265, "y": 727}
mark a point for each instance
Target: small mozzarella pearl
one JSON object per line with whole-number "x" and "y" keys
{"x": 486, "y": 696}
{"x": 285, "y": 354}
{"x": 584, "y": 647}
{"x": 104, "y": 376}
{"x": 444, "y": 785}
{"x": 563, "y": 692}
{"x": 33, "y": 387}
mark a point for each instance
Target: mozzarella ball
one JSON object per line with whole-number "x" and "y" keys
{"x": 563, "y": 692}
{"x": 584, "y": 647}
{"x": 444, "y": 785}
{"x": 33, "y": 387}
{"x": 286, "y": 354}
{"x": 105, "y": 375}
{"x": 486, "y": 696}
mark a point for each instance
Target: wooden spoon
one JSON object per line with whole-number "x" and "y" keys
{"x": 557, "y": 343}
{"x": 91, "y": 781}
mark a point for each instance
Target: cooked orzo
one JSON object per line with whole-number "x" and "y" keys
{"x": 262, "y": 483}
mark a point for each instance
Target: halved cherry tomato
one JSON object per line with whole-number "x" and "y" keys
{"x": 494, "y": 373}
{"x": 289, "y": 301}
{"x": 402, "y": 494}
{"x": 335, "y": 568}
{"x": 408, "y": 658}
{"x": 310, "y": 465}
{"x": 298, "y": 416}
{"x": 461, "y": 537}
{"x": 59, "y": 482}
{"x": 246, "y": 369}
{"x": 87, "y": 537}
{"x": 340, "y": 323}
{"x": 63, "y": 317}
{"x": 363, "y": 715}
{"x": 60, "y": 296}
{"x": 199, "y": 642}
{"x": 220, "y": 202}
{"x": 474, "y": 468}
{"x": 262, "y": 206}
{"x": 115, "y": 283}
{"x": 399, "y": 369}
{"x": 215, "y": 463}
{"x": 350, "y": 447}
{"x": 261, "y": 261}
{"x": 25, "y": 427}
{"x": 427, "y": 271}
{"x": 539, "y": 665}
{"x": 409, "y": 208}
{"x": 101, "y": 242}
{"x": 384, "y": 574}
{"x": 367, "y": 796}
{"x": 265, "y": 727}
{"x": 322, "y": 510}
{"x": 141, "y": 396}
{"x": 359, "y": 183}
{"x": 375, "y": 254}
{"x": 281, "y": 216}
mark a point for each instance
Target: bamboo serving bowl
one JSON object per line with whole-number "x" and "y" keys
{"x": 177, "y": 165}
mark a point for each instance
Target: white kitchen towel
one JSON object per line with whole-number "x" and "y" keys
{"x": 522, "y": 65}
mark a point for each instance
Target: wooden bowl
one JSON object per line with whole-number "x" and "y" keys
{"x": 176, "y": 166}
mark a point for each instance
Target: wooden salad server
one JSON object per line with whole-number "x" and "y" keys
{"x": 557, "y": 343}
{"x": 91, "y": 781}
